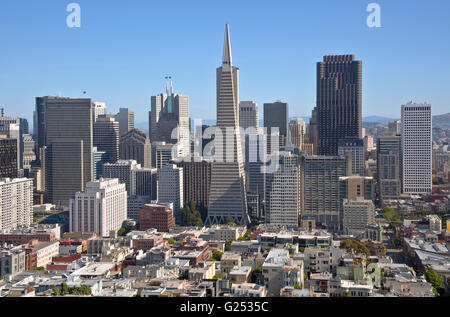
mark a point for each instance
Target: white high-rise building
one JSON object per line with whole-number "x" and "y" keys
{"x": 98, "y": 108}
{"x": 417, "y": 150}
{"x": 101, "y": 208}
{"x": 16, "y": 202}
{"x": 283, "y": 192}
{"x": 170, "y": 188}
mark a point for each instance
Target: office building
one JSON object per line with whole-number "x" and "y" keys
{"x": 101, "y": 208}
{"x": 98, "y": 109}
{"x": 358, "y": 214}
{"x": 297, "y": 130}
{"x": 276, "y": 116}
{"x": 353, "y": 187}
{"x": 417, "y": 148}
{"x": 228, "y": 195}
{"x": 16, "y": 202}
{"x": 170, "y": 188}
{"x": 135, "y": 145}
{"x": 125, "y": 117}
{"x": 358, "y": 154}
{"x": 169, "y": 111}
{"x": 389, "y": 167}
{"x": 106, "y": 136}
{"x": 163, "y": 153}
{"x": 69, "y": 147}
{"x": 10, "y": 128}
{"x": 196, "y": 181}
{"x": 339, "y": 101}
{"x": 248, "y": 115}
{"x": 320, "y": 189}
{"x": 28, "y": 154}
{"x": 283, "y": 192}
{"x": 100, "y": 159}
{"x": 8, "y": 158}
{"x": 138, "y": 181}
{"x": 158, "y": 216}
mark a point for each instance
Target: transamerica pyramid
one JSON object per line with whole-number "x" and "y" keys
{"x": 227, "y": 193}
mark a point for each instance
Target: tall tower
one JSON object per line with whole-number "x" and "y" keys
{"x": 228, "y": 196}
{"x": 339, "y": 101}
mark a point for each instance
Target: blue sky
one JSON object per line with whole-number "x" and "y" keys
{"x": 124, "y": 49}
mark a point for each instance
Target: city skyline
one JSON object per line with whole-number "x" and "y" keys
{"x": 289, "y": 65}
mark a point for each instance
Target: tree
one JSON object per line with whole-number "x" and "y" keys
{"x": 433, "y": 278}
{"x": 218, "y": 276}
{"x": 191, "y": 216}
{"x": 64, "y": 288}
{"x": 217, "y": 255}
{"x": 40, "y": 268}
{"x": 55, "y": 291}
{"x": 296, "y": 286}
{"x": 171, "y": 241}
{"x": 121, "y": 232}
{"x": 230, "y": 221}
{"x": 350, "y": 244}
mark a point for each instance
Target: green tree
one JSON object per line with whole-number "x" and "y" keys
{"x": 64, "y": 289}
{"x": 191, "y": 216}
{"x": 218, "y": 276}
{"x": 55, "y": 291}
{"x": 121, "y": 232}
{"x": 40, "y": 268}
{"x": 217, "y": 255}
{"x": 433, "y": 278}
{"x": 296, "y": 286}
{"x": 171, "y": 241}
{"x": 350, "y": 244}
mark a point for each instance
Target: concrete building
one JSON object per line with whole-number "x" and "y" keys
{"x": 339, "y": 101}
{"x": 68, "y": 134}
{"x": 135, "y": 145}
{"x": 283, "y": 192}
{"x": 16, "y": 202}
{"x": 12, "y": 261}
{"x": 28, "y": 154}
{"x": 158, "y": 216}
{"x": 248, "y": 115}
{"x": 125, "y": 117}
{"x": 354, "y": 187}
{"x": 358, "y": 214}
{"x": 163, "y": 154}
{"x": 297, "y": 130}
{"x": 101, "y": 208}
{"x": 320, "y": 188}
{"x": 106, "y": 136}
{"x": 358, "y": 154}
{"x": 417, "y": 148}
{"x": 139, "y": 181}
{"x": 170, "y": 188}
{"x": 11, "y": 128}
{"x": 228, "y": 193}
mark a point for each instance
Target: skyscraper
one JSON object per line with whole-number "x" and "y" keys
{"x": 125, "y": 117}
{"x": 297, "y": 129}
{"x": 276, "y": 116}
{"x": 98, "y": 109}
{"x": 16, "y": 202}
{"x": 339, "y": 101}
{"x": 169, "y": 111}
{"x": 320, "y": 188}
{"x": 196, "y": 181}
{"x": 135, "y": 145}
{"x": 283, "y": 192}
{"x": 417, "y": 148}
{"x": 170, "y": 188}
{"x": 106, "y": 136}
{"x": 228, "y": 195}
{"x": 8, "y": 158}
{"x": 69, "y": 152}
{"x": 388, "y": 167}
{"x": 357, "y": 152}
{"x": 248, "y": 115}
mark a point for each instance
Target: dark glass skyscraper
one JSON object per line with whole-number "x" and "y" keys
{"x": 339, "y": 101}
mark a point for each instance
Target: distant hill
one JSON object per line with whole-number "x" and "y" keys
{"x": 378, "y": 119}
{"x": 442, "y": 121}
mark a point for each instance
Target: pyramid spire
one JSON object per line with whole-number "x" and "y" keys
{"x": 226, "y": 60}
